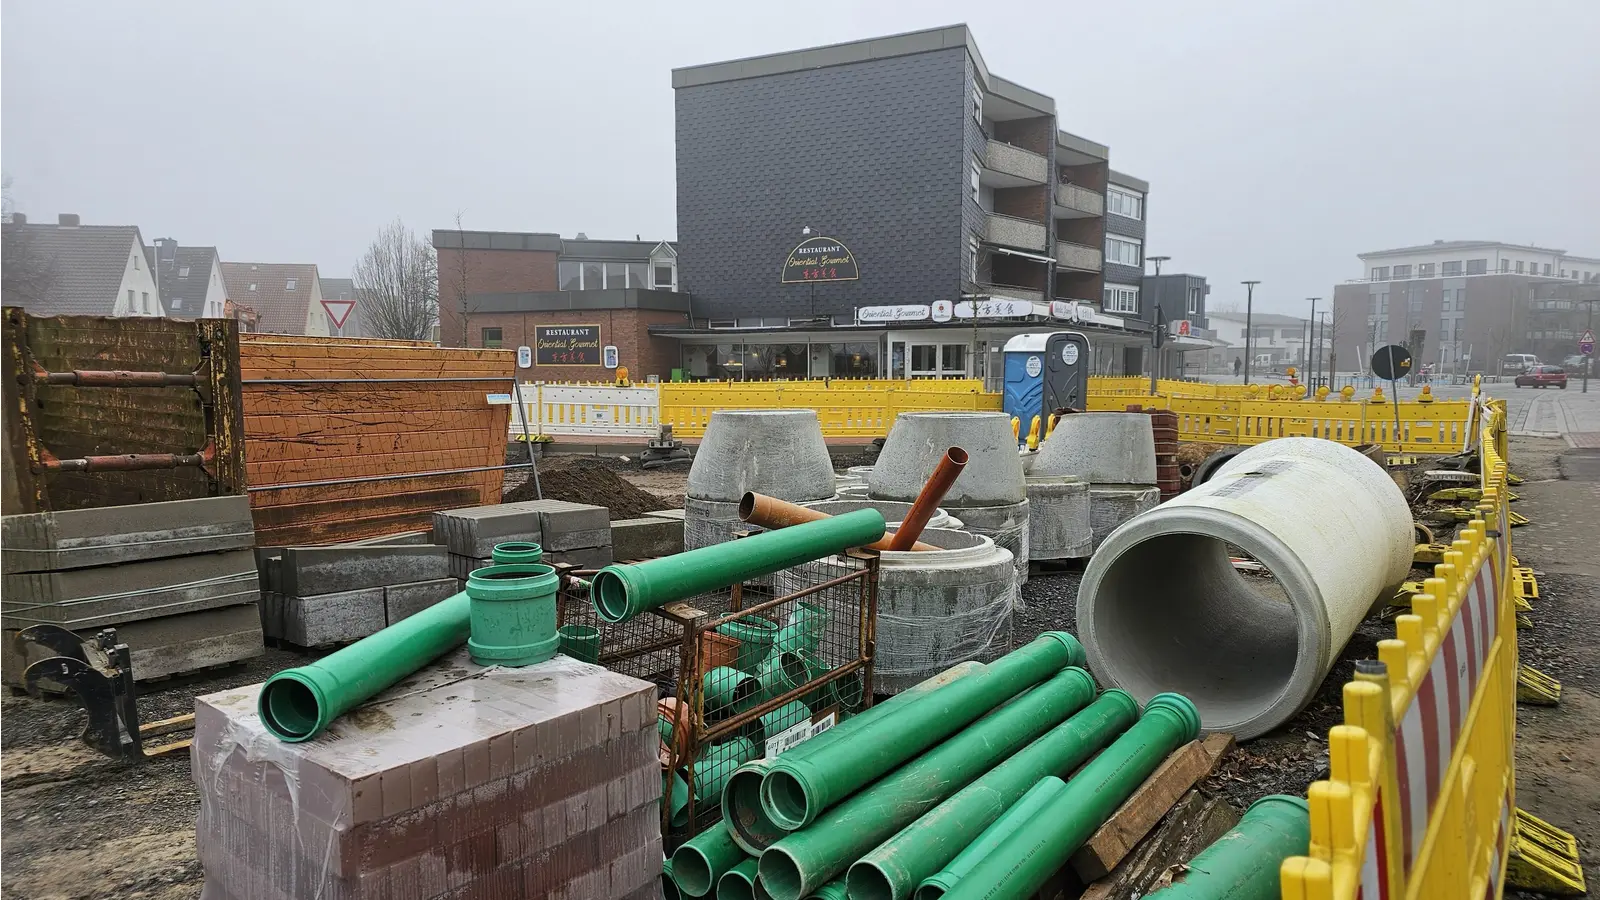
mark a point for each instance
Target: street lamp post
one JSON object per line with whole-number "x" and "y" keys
{"x": 1311, "y": 367}
{"x": 1249, "y": 309}
{"x": 1155, "y": 319}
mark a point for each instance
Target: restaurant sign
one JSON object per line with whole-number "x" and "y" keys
{"x": 820, "y": 259}
{"x": 566, "y": 345}
{"x": 875, "y": 314}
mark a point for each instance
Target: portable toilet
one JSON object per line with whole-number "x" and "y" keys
{"x": 1045, "y": 371}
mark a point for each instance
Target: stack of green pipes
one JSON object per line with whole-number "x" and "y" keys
{"x": 913, "y": 795}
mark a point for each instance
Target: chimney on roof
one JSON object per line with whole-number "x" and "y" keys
{"x": 19, "y": 219}
{"x": 67, "y": 220}
{"x": 581, "y": 237}
{"x": 166, "y": 250}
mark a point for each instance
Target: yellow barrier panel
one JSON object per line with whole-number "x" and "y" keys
{"x": 1421, "y": 787}
{"x": 847, "y": 409}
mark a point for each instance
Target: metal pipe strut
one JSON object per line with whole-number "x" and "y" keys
{"x": 128, "y": 462}
{"x": 113, "y": 378}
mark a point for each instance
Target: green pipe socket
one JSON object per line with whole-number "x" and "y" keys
{"x": 1244, "y": 863}
{"x": 803, "y": 632}
{"x": 833, "y": 890}
{"x": 895, "y": 868}
{"x": 624, "y": 591}
{"x": 782, "y": 672}
{"x": 298, "y": 704}
{"x": 800, "y": 787}
{"x": 738, "y": 883}
{"x": 700, "y": 861}
{"x": 581, "y": 642}
{"x": 676, "y": 792}
{"x": 728, "y": 692}
{"x": 717, "y": 764}
{"x": 513, "y": 613}
{"x": 782, "y": 719}
{"x": 669, "y": 888}
{"x": 804, "y": 860}
{"x": 936, "y": 885}
{"x": 511, "y": 552}
{"x": 755, "y": 636}
{"x": 1023, "y": 863}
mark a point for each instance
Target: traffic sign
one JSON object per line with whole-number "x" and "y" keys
{"x": 1586, "y": 344}
{"x": 338, "y": 311}
{"x": 1392, "y": 362}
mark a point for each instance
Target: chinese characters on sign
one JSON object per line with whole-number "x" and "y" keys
{"x": 566, "y": 345}
{"x": 820, "y": 259}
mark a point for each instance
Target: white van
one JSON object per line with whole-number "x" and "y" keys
{"x": 1518, "y": 363}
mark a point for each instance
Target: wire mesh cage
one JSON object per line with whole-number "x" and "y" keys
{"x": 742, "y": 673}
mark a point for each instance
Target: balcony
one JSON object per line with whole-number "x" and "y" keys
{"x": 1010, "y": 231}
{"x": 1011, "y": 292}
{"x": 1074, "y": 202}
{"x": 1008, "y": 166}
{"x": 1078, "y": 257}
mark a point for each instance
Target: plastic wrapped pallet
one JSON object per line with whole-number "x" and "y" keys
{"x": 460, "y": 781}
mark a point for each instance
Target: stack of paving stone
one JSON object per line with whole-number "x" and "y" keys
{"x": 177, "y": 580}
{"x": 575, "y": 533}
{"x": 547, "y": 792}
{"x": 647, "y": 537}
{"x": 316, "y": 596}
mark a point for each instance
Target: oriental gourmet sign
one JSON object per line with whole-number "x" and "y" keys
{"x": 820, "y": 259}
{"x": 566, "y": 345}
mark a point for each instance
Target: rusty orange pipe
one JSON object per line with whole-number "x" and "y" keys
{"x": 944, "y": 475}
{"x": 770, "y": 512}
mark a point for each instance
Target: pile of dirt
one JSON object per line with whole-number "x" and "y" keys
{"x": 584, "y": 479}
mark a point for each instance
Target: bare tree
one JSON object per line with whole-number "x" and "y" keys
{"x": 397, "y": 284}
{"x": 26, "y": 274}
{"x": 461, "y": 280}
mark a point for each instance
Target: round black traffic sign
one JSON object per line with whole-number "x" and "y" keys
{"x": 1392, "y": 362}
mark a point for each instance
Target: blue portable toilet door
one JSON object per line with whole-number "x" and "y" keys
{"x": 1066, "y": 372}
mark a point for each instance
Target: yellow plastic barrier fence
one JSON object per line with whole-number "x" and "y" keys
{"x": 847, "y": 409}
{"x": 1421, "y": 795}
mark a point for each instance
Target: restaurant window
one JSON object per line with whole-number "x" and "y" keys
{"x": 491, "y": 338}
{"x": 570, "y": 275}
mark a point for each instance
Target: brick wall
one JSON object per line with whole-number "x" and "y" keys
{"x": 1031, "y": 203}
{"x": 1019, "y": 272}
{"x": 627, "y": 329}
{"x": 487, "y": 272}
{"x": 1037, "y": 134}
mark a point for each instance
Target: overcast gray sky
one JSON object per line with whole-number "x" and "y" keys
{"x": 1280, "y": 138}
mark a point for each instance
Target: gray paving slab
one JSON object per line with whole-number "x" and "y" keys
{"x": 80, "y": 538}
{"x": 326, "y": 570}
{"x": 115, "y": 595}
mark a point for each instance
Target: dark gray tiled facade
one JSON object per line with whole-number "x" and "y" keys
{"x": 1115, "y": 224}
{"x": 872, "y": 154}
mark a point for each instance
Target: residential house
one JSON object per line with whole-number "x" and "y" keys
{"x": 190, "y": 279}
{"x": 345, "y": 289}
{"x": 69, "y": 268}
{"x": 287, "y": 296}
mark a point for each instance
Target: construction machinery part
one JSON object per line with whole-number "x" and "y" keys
{"x": 1162, "y": 606}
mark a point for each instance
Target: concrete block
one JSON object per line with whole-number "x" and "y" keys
{"x": 666, "y": 514}
{"x": 572, "y": 526}
{"x": 171, "y": 645}
{"x": 326, "y": 570}
{"x": 78, "y": 538}
{"x": 115, "y": 595}
{"x": 333, "y": 618}
{"x": 461, "y": 566}
{"x": 586, "y": 558}
{"x": 646, "y": 538}
{"x": 402, "y": 539}
{"x": 402, "y": 600}
{"x": 474, "y": 531}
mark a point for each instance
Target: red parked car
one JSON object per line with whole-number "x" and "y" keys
{"x": 1543, "y": 376}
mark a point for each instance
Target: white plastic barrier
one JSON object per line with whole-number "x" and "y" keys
{"x": 592, "y": 411}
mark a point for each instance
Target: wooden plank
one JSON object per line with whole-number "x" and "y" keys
{"x": 1182, "y": 769}
{"x": 1194, "y": 822}
{"x": 276, "y": 400}
{"x": 353, "y": 499}
{"x": 266, "y": 354}
{"x": 356, "y": 371}
{"x": 313, "y": 340}
{"x": 322, "y": 426}
{"x": 317, "y": 533}
{"x": 274, "y": 448}
{"x": 292, "y": 470}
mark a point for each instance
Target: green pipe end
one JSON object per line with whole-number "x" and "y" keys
{"x": 517, "y": 552}
{"x": 611, "y": 593}
{"x": 669, "y": 887}
{"x": 867, "y": 880}
{"x": 293, "y": 706}
{"x": 1122, "y": 698}
{"x": 788, "y": 796}
{"x": 1179, "y": 709}
{"x": 833, "y": 890}
{"x": 1075, "y": 654}
{"x": 781, "y": 875}
{"x": 1301, "y": 807}
{"x": 934, "y": 886}
{"x": 739, "y": 883}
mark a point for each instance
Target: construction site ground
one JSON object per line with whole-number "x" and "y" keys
{"x": 76, "y": 825}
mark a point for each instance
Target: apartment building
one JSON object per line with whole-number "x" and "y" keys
{"x": 893, "y": 208}
{"x": 1461, "y": 306}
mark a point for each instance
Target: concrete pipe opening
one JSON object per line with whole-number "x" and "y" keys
{"x": 1162, "y": 607}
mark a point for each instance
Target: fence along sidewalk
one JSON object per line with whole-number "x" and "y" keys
{"x": 1421, "y": 792}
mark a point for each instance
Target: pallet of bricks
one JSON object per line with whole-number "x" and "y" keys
{"x": 177, "y": 580}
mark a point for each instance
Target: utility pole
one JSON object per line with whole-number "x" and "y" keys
{"x": 1249, "y": 309}
{"x": 1155, "y": 334}
{"x": 1588, "y": 358}
{"x": 1311, "y": 367}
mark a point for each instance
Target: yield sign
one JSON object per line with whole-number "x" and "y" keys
{"x": 338, "y": 310}
{"x": 1586, "y": 344}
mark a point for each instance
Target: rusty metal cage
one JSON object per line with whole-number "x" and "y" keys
{"x": 742, "y": 673}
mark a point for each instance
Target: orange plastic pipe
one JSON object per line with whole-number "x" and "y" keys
{"x": 944, "y": 475}
{"x": 770, "y": 512}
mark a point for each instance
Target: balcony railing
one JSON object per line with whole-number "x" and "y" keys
{"x": 1016, "y": 162}
{"x": 1010, "y": 231}
{"x": 1073, "y": 198}
{"x": 1078, "y": 256}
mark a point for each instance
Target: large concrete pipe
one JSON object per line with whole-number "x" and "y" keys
{"x": 1161, "y": 607}
{"x": 1058, "y": 518}
{"x": 1100, "y": 448}
{"x": 1110, "y": 505}
{"x": 777, "y": 452}
{"x": 990, "y": 496}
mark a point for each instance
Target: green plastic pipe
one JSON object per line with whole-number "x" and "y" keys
{"x": 741, "y": 796}
{"x": 755, "y": 636}
{"x": 935, "y": 885}
{"x": 700, "y": 861}
{"x": 623, "y": 591}
{"x": 896, "y": 867}
{"x": 669, "y": 887}
{"x": 1024, "y": 862}
{"x": 717, "y": 764}
{"x": 1243, "y": 864}
{"x": 517, "y": 552}
{"x": 513, "y": 614}
{"x": 803, "y": 632}
{"x": 739, "y": 882}
{"x": 833, "y": 890}
{"x": 802, "y": 785}
{"x": 298, "y": 704}
{"x": 807, "y": 859}
{"x": 782, "y": 719}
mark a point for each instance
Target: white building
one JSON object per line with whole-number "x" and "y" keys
{"x": 1452, "y": 259}
{"x": 84, "y": 270}
{"x": 1276, "y": 341}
